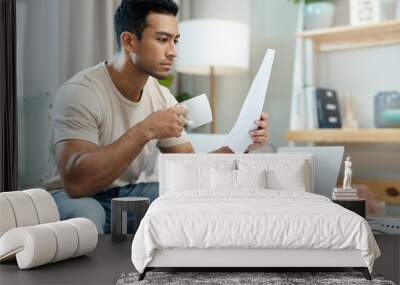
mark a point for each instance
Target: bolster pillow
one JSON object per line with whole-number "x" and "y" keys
{"x": 26, "y": 208}
{"x": 40, "y": 244}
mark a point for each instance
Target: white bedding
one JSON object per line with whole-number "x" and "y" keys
{"x": 252, "y": 218}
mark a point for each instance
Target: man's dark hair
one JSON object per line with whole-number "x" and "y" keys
{"x": 131, "y": 15}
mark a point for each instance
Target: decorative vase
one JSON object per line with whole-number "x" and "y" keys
{"x": 318, "y": 15}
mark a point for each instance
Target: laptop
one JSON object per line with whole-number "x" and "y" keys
{"x": 327, "y": 160}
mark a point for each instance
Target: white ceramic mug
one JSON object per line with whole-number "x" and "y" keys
{"x": 198, "y": 111}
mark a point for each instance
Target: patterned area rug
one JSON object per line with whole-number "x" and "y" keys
{"x": 230, "y": 278}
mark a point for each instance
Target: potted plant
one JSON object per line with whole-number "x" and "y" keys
{"x": 167, "y": 83}
{"x": 318, "y": 14}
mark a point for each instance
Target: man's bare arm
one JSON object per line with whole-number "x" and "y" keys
{"x": 188, "y": 148}
{"x": 86, "y": 169}
{"x": 181, "y": 148}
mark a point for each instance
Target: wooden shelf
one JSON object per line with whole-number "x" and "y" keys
{"x": 345, "y": 136}
{"x": 351, "y": 37}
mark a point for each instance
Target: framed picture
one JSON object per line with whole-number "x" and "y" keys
{"x": 364, "y": 11}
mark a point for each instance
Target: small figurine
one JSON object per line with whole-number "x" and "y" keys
{"x": 347, "y": 174}
{"x": 347, "y": 192}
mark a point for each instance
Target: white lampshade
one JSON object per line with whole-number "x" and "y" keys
{"x": 221, "y": 44}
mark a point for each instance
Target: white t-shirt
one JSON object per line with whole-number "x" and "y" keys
{"x": 89, "y": 107}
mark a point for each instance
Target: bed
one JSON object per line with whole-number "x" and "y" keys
{"x": 246, "y": 211}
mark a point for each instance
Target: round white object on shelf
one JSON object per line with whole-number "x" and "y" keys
{"x": 46, "y": 208}
{"x": 23, "y": 207}
{"x": 7, "y": 220}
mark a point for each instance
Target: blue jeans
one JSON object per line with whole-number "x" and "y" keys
{"x": 97, "y": 208}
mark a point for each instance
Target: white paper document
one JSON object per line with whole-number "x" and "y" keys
{"x": 239, "y": 137}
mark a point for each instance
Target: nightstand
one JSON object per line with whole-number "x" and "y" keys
{"x": 357, "y": 206}
{"x": 119, "y": 214}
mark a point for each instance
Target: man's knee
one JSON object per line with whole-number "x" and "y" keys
{"x": 80, "y": 208}
{"x": 152, "y": 190}
{"x": 91, "y": 209}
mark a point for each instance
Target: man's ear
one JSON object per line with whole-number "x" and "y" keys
{"x": 129, "y": 41}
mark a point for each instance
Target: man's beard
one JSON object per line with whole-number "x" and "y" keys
{"x": 151, "y": 73}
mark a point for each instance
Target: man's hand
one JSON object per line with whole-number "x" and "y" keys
{"x": 259, "y": 136}
{"x": 165, "y": 123}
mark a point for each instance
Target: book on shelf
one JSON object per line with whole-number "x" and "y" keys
{"x": 344, "y": 191}
{"x": 344, "y": 198}
{"x": 345, "y": 194}
{"x": 321, "y": 108}
{"x": 328, "y": 108}
{"x": 311, "y": 121}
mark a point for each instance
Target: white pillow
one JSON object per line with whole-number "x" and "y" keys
{"x": 223, "y": 179}
{"x": 191, "y": 172}
{"x": 188, "y": 177}
{"x": 293, "y": 180}
{"x": 282, "y": 174}
{"x": 251, "y": 178}
{"x": 227, "y": 179}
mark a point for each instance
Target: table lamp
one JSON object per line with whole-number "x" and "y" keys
{"x": 213, "y": 47}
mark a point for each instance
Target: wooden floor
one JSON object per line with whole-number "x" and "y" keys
{"x": 106, "y": 264}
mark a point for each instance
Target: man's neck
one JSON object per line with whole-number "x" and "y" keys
{"x": 127, "y": 78}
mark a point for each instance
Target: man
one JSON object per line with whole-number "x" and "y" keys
{"x": 108, "y": 119}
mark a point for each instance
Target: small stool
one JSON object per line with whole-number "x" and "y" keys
{"x": 357, "y": 206}
{"x": 119, "y": 216}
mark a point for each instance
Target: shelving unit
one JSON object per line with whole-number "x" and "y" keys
{"x": 352, "y": 37}
{"x": 308, "y": 45}
{"x": 336, "y": 39}
{"x": 345, "y": 136}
